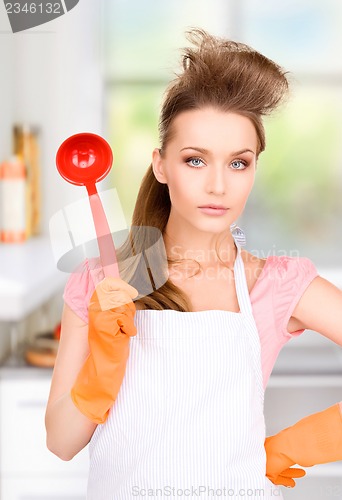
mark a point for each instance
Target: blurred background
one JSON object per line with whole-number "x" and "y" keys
{"x": 102, "y": 68}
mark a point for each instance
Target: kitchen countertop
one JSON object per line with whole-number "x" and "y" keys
{"x": 28, "y": 277}
{"x": 309, "y": 360}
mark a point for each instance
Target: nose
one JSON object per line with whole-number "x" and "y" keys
{"x": 215, "y": 181}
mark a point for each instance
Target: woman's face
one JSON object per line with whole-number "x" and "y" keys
{"x": 210, "y": 159}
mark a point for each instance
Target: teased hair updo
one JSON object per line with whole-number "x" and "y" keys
{"x": 229, "y": 76}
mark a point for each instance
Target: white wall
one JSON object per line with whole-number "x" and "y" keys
{"x": 6, "y": 82}
{"x": 52, "y": 78}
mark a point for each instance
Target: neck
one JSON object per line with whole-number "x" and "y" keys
{"x": 207, "y": 249}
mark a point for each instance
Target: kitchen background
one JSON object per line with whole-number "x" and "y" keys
{"x": 102, "y": 68}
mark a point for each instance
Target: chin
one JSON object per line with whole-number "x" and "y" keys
{"x": 215, "y": 227}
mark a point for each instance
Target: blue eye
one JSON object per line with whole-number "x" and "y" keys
{"x": 237, "y": 162}
{"x": 195, "y": 162}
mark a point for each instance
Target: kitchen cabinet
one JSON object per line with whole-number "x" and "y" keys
{"x": 28, "y": 470}
{"x": 25, "y": 488}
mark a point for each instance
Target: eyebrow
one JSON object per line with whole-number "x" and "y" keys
{"x": 205, "y": 151}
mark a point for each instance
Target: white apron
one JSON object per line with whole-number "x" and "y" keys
{"x": 188, "y": 420}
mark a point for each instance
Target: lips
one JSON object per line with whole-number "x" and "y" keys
{"x": 213, "y": 210}
{"x": 219, "y": 207}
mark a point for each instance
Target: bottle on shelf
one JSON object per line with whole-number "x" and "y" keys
{"x": 25, "y": 145}
{"x": 13, "y": 200}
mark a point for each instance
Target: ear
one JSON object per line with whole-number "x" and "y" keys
{"x": 158, "y": 166}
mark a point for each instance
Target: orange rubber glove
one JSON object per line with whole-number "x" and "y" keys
{"x": 111, "y": 324}
{"x": 316, "y": 439}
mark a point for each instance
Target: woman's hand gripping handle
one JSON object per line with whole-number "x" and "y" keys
{"x": 111, "y": 324}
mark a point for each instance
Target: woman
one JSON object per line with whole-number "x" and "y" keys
{"x": 187, "y": 365}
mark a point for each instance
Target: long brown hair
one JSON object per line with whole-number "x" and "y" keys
{"x": 217, "y": 72}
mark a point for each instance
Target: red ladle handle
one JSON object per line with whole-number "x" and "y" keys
{"x": 104, "y": 237}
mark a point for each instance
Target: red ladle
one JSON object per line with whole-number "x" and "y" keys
{"x": 84, "y": 159}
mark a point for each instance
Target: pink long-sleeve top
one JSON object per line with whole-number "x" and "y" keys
{"x": 274, "y": 297}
